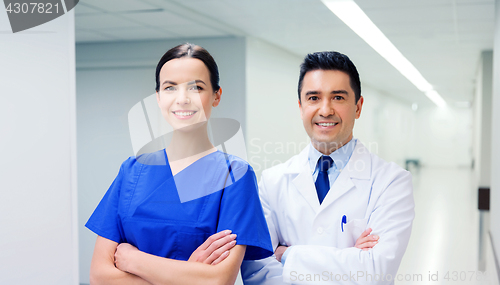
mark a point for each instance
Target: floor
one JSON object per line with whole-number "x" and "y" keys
{"x": 445, "y": 244}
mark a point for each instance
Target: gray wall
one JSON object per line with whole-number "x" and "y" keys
{"x": 482, "y": 119}
{"x": 38, "y": 214}
{"x": 110, "y": 79}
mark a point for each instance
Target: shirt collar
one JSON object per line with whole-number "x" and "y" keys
{"x": 340, "y": 157}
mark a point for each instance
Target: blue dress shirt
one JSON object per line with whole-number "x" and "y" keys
{"x": 340, "y": 159}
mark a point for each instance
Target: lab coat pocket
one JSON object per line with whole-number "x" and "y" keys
{"x": 352, "y": 231}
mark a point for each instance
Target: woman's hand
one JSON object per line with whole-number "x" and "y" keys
{"x": 123, "y": 256}
{"x": 366, "y": 241}
{"x": 215, "y": 249}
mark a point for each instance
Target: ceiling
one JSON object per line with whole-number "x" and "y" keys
{"x": 442, "y": 38}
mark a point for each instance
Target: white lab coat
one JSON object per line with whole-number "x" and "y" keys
{"x": 369, "y": 191}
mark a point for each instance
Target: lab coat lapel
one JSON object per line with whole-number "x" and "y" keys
{"x": 342, "y": 185}
{"x": 358, "y": 167}
{"x": 303, "y": 182}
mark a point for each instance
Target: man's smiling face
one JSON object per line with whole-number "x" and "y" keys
{"x": 328, "y": 108}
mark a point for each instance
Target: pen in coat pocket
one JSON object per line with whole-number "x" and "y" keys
{"x": 344, "y": 221}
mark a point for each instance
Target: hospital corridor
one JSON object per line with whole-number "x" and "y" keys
{"x": 446, "y": 230}
{"x": 303, "y": 91}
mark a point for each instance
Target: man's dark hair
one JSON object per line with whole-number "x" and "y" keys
{"x": 331, "y": 60}
{"x": 192, "y": 51}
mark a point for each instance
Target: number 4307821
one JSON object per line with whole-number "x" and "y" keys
{"x": 32, "y": 8}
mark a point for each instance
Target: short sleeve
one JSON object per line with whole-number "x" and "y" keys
{"x": 105, "y": 220}
{"x": 241, "y": 212}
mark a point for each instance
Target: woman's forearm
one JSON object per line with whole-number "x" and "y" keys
{"x": 158, "y": 270}
{"x": 103, "y": 270}
{"x": 113, "y": 276}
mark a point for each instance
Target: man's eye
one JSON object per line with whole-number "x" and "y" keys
{"x": 313, "y": 98}
{"x": 338, "y": 98}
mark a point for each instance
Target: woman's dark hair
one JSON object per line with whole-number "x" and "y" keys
{"x": 331, "y": 60}
{"x": 192, "y": 51}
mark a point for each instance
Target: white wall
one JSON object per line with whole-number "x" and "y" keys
{"x": 444, "y": 136}
{"x": 387, "y": 126}
{"x": 436, "y": 137}
{"x": 274, "y": 128}
{"x": 495, "y": 151}
{"x": 111, "y": 78}
{"x": 38, "y": 214}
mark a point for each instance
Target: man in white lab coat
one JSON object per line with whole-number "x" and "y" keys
{"x": 336, "y": 212}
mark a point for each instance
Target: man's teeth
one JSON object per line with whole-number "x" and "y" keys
{"x": 327, "y": 124}
{"x": 184, "y": 114}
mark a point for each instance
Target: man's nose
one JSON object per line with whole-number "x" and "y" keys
{"x": 326, "y": 109}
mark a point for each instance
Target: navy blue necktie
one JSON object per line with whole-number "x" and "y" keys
{"x": 322, "y": 182}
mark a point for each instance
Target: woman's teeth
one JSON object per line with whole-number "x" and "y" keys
{"x": 184, "y": 114}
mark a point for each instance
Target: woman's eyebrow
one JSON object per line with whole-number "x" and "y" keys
{"x": 197, "y": 81}
{"x": 189, "y": 83}
{"x": 168, "y": 82}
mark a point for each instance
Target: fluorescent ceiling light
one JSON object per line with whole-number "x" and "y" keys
{"x": 350, "y": 13}
{"x": 434, "y": 96}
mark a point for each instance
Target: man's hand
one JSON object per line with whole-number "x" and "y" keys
{"x": 366, "y": 241}
{"x": 279, "y": 252}
{"x": 123, "y": 257}
{"x": 215, "y": 249}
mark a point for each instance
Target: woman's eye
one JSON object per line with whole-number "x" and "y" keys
{"x": 169, "y": 88}
{"x": 195, "y": 87}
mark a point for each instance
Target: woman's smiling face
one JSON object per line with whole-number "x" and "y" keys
{"x": 186, "y": 96}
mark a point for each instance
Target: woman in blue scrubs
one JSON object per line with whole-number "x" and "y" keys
{"x": 160, "y": 211}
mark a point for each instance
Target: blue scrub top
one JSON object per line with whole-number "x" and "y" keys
{"x": 171, "y": 216}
